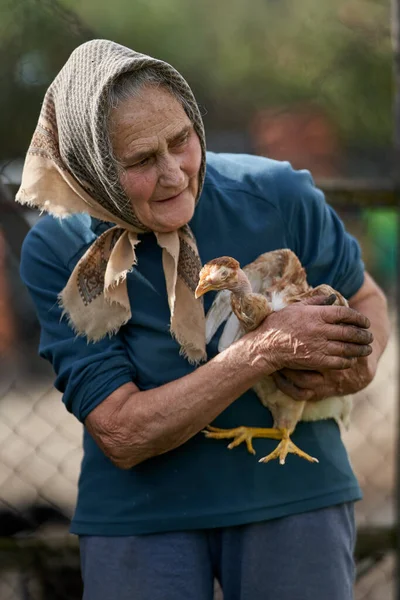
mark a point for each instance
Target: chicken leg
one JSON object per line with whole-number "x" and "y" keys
{"x": 285, "y": 447}
{"x": 246, "y": 435}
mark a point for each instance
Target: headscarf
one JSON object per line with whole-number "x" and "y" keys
{"x": 68, "y": 169}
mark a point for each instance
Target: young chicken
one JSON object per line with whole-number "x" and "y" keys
{"x": 246, "y": 297}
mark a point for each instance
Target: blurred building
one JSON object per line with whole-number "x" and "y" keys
{"x": 304, "y": 136}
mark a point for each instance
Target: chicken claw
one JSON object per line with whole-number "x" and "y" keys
{"x": 242, "y": 434}
{"x": 285, "y": 447}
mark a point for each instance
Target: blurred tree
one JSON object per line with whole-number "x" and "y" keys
{"x": 36, "y": 38}
{"x": 242, "y": 57}
{"x": 238, "y": 57}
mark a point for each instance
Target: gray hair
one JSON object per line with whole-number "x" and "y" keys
{"x": 130, "y": 85}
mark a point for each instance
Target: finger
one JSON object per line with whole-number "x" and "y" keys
{"x": 348, "y": 350}
{"x": 344, "y": 314}
{"x": 349, "y": 333}
{"x": 290, "y": 389}
{"x": 320, "y": 300}
{"x": 303, "y": 379}
{"x": 339, "y": 363}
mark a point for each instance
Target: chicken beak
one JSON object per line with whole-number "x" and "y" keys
{"x": 203, "y": 287}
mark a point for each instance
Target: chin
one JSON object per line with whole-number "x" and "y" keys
{"x": 172, "y": 225}
{"x": 177, "y": 217}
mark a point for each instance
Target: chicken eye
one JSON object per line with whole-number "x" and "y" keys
{"x": 224, "y": 273}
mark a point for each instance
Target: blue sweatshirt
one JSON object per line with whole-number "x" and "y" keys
{"x": 249, "y": 205}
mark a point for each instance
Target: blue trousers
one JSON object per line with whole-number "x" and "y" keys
{"x": 301, "y": 557}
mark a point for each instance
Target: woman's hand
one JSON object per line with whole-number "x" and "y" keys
{"x": 316, "y": 385}
{"x": 313, "y": 337}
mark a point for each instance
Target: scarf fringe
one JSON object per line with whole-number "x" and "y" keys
{"x": 120, "y": 278}
{"x": 189, "y": 351}
{"x": 82, "y": 332}
{"x": 58, "y": 212}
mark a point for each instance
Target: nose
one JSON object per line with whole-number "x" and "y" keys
{"x": 171, "y": 173}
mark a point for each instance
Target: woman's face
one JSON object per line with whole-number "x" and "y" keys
{"x": 155, "y": 142}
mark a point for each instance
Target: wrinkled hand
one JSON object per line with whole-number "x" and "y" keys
{"x": 313, "y": 385}
{"x": 314, "y": 337}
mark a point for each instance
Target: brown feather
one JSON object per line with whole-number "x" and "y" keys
{"x": 251, "y": 310}
{"x": 285, "y": 269}
{"x": 224, "y": 261}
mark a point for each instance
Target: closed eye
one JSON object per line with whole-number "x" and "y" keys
{"x": 141, "y": 163}
{"x": 181, "y": 140}
{"x": 177, "y": 143}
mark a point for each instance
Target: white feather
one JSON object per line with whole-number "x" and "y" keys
{"x": 277, "y": 301}
{"x": 232, "y": 332}
{"x": 336, "y": 407}
{"x": 218, "y": 313}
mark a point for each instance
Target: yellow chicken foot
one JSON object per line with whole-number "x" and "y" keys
{"x": 242, "y": 434}
{"x": 285, "y": 447}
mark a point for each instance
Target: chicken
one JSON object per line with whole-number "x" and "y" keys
{"x": 246, "y": 297}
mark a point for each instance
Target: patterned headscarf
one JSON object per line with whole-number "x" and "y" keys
{"x": 68, "y": 170}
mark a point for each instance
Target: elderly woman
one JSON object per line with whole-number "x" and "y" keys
{"x": 161, "y": 511}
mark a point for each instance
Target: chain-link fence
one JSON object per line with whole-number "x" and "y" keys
{"x": 40, "y": 450}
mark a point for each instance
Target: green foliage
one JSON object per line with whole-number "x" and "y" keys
{"x": 34, "y": 44}
{"x": 238, "y": 56}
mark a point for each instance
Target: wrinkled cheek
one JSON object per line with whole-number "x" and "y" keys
{"x": 192, "y": 166}
{"x": 138, "y": 189}
{"x": 194, "y": 157}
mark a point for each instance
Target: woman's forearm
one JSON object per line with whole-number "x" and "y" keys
{"x": 132, "y": 426}
{"x": 371, "y": 301}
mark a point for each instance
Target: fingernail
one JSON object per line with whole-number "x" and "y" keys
{"x": 330, "y": 299}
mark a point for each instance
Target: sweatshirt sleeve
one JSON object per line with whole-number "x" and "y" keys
{"x": 318, "y": 236}
{"x": 86, "y": 373}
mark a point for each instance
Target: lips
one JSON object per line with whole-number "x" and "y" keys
{"x": 172, "y": 197}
